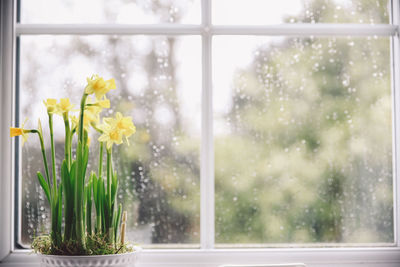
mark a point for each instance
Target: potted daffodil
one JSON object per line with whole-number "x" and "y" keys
{"x": 87, "y": 224}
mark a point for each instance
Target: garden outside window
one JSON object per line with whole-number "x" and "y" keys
{"x": 267, "y": 132}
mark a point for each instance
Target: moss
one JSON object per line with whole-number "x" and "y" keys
{"x": 95, "y": 245}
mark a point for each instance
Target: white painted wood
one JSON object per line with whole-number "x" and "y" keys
{"x": 265, "y": 265}
{"x": 395, "y": 42}
{"x": 7, "y": 18}
{"x": 109, "y": 29}
{"x": 307, "y": 29}
{"x": 207, "y": 142}
{"x": 300, "y": 29}
{"x": 319, "y": 257}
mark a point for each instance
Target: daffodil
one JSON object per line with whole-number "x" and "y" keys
{"x": 91, "y": 115}
{"x": 15, "y": 131}
{"x": 111, "y": 136}
{"x": 98, "y": 86}
{"x": 64, "y": 106}
{"x": 124, "y": 124}
{"x": 51, "y": 105}
{"x": 105, "y": 103}
{"x": 116, "y": 128}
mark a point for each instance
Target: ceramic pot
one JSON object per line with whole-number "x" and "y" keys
{"x": 114, "y": 260}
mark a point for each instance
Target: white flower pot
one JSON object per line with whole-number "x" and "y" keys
{"x": 115, "y": 260}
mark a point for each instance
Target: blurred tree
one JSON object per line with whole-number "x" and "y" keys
{"x": 307, "y": 156}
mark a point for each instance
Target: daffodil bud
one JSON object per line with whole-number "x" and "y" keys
{"x": 51, "y": 105}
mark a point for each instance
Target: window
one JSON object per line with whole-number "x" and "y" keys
{"x": 262, "y": 125}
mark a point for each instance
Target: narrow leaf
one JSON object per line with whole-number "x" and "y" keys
{"x": 44, "y": 185}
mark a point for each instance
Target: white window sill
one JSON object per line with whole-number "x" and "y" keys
{"x": 313, "y": 257}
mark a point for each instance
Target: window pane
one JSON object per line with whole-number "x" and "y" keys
{"x": 110, "y": 11}
{"x": 300, "y": 11}
{"x": 158, "y": 84}
{"x": 303, "y": 140}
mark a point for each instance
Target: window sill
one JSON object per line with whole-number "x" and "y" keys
{"x": 314, "y": 257}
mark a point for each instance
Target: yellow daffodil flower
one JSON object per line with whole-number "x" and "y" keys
{"x": 111, "y": 136}
{"x": 64, "y": 106}
{"x": 98, "y": 86}
{"x": 14, "y": 131}
{"x": 51, "y": 105}
{"x": 91, "y": 115}
{"x": 115, "y": 128}
{"x": 104, "y": 103}
{"x": 124, "y": 124}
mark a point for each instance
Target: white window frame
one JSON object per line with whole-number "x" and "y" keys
{"x": 207, "y": 255}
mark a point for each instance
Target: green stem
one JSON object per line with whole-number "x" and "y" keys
{"x": 70, "y": 142}
{"x": 96, "y": 128}
{"x": 109, "y": 173}
{"x": 109, "y": 206}
{"x": 55, "y": 198}
{"x": 81, "y": 114}
{"x": 46, "y": 166}
{"x": 67, "y": 140}
{"x": 80, "y": 177}
{"x": 79, "y": 193}
{"x": 100, "y": 173}
{"x": 53, "y": 152}
{"x": 100, "y": 179}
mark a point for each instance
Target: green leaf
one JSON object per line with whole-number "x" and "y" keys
{"x": 44, "y": 185}
{"x": 72, "y": 174}
{"x": 59, "y": 209}
{"x": 117, "y": 221}
{"x": 85, "y": 160}
{"x": 93, "y": 177}
{"x": 114, "y": 187}
{"x": 65, "y": 182}
{"x": 79, "y": 194}
{"x": 88, "y": 190}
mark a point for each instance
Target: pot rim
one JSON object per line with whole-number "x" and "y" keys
{"x": 136, "y": 251}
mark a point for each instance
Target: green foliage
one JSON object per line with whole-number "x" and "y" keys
{"x": 309, "y": 146}
{"x": 74, "y": 196}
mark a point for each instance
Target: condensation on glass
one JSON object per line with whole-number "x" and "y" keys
{"x": 111, "y": 11}
{"x": 260, "y": 12}
{"x": 303, "y": 141}
{"x": 158, "y": 84}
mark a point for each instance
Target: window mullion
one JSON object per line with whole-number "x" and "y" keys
{"x": 7, "y": 20}
{"x": 301, "y": 29}
{"x": 396, "y": 118}
{"x": 207, "y": 149}
{"x": 108, "y": 29}
{"x": 307, "y": 29}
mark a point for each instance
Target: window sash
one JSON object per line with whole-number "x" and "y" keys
{"x": 206, "y": 30}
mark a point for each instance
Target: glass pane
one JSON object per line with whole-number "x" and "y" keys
{"x": 159, "y": 84}
{"x": 260, "y": 12}
{"x": 303, "y": 140}
{"x": 110, "y": 11}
